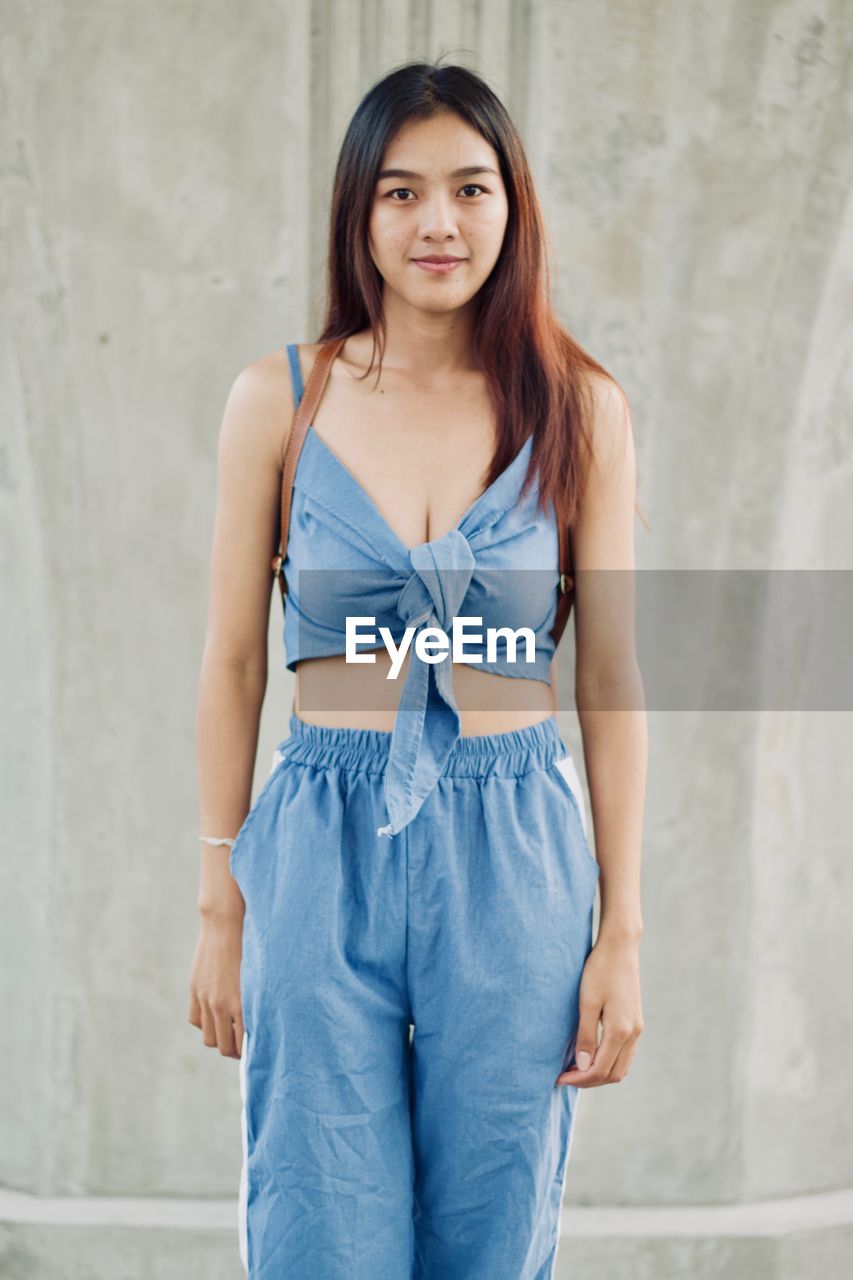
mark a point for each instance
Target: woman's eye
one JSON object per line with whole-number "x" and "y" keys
{"x": 469, "y": 186}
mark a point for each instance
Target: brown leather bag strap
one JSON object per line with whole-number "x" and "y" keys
{"x": 565, "y": 586}
{"x": 302, "y": 419}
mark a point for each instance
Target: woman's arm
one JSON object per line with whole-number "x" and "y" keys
{"x": 611, "y": 710}
{"x": 608, "y": 686}
{"x": 233, "y": 677}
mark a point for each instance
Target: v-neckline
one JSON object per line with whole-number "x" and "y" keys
{"x": 359, "y": 487}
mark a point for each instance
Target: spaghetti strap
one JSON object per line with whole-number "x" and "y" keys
{"x": 292, "y": 350}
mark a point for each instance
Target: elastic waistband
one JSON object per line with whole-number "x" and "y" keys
{"x": 514, "y": 752}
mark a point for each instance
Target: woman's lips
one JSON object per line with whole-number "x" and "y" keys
{"x": 438, "y": 268}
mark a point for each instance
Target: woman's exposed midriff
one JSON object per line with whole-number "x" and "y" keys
{"x": 338, "y": 694}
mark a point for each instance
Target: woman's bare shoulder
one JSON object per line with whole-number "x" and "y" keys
{"x": 262, "y": 396}
{"x": 608, "y": 422}
{"x": 259, "y": 408}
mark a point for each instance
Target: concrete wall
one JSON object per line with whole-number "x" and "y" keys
{"x": 164, "y": 202}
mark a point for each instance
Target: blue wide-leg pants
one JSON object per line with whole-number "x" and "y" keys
{"x": 408, "y": 1004}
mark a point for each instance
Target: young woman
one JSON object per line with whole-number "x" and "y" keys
{"x": 398, "y": 944}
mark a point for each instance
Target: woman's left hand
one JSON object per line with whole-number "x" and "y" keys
{"x": 610, "y": 993}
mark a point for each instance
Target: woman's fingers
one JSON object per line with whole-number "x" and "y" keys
{"x": 194, "y": 1015}
{"x": 215, "y": 995}
{"x": 221, "y": 1026}
{"x": 587, "y": 1048}
{"x": 586, "y": 1042}
{"x": 208, "y": 1026}
{"x": 612, "y": 1059}
{"x": 624, "y": 1058}
{"x": 603, "y": 1057}
{"x": 224, "y": 1024}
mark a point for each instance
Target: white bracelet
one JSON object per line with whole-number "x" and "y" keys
{"x": 215, "y": 840}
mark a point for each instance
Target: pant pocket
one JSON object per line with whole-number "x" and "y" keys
{"x": 239, "y": 839}
{"x": 566, "y": 774}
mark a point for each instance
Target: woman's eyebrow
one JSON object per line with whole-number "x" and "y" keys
{"x": 467, "y": 171}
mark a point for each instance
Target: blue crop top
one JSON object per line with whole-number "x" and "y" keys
{"x": 343, "y": 559}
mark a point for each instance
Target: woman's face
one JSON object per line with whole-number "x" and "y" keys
{"x": 446, "y": 197}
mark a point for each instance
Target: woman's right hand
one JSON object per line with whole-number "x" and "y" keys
{"x": 215, "y": 1005}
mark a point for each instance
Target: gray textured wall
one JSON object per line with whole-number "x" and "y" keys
{"x": 165, "y": 177}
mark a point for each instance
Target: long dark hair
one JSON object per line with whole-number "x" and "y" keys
{"x": 535, "y": 370}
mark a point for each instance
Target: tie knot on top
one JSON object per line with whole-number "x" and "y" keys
{"x": 439, "y": 584}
